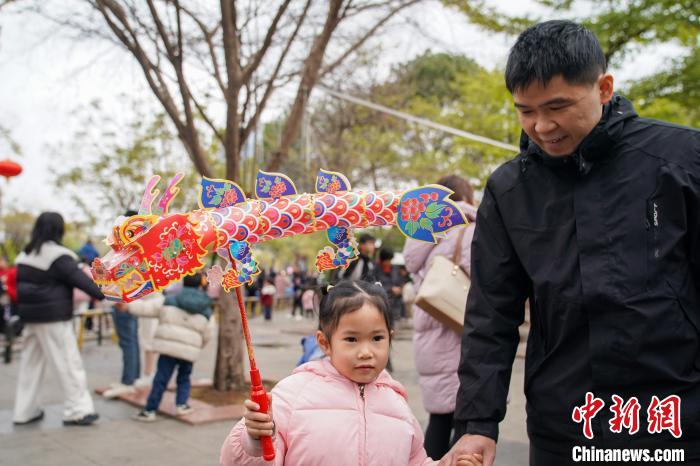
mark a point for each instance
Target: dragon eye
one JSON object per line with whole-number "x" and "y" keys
{"x": 131, "y": 231}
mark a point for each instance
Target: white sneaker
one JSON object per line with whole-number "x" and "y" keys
{"x": 144, "y": 416}
{"x": 144, "y": 382}
{"x": 298, "y": 317}
{"x": 183, "y": 410}
{"x": 118, "y": 390}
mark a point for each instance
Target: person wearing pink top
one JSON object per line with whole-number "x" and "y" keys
{"x": 435, "y": 346}
{"x": 307, "y": 301}
{"x": 344, "y": 409}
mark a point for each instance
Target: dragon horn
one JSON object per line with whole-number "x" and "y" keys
{"x": 170, "y": 193}
{"x": 149, "y": 195}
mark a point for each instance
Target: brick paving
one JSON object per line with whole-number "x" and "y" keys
{"x": 116, "y": 439}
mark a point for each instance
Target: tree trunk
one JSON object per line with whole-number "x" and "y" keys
{"x": 228, "y": 373}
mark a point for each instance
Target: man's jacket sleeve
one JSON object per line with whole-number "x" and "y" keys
{"x": 694, "y": 213}
{"x": 495, "y": 309}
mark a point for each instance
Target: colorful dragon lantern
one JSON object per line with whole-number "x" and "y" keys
{"x": 155, "y": 248}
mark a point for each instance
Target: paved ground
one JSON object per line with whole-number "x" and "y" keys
{"x": 116, "y": 439}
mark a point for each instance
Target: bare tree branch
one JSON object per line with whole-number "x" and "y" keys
{"x": 161, "y": 31}
{"x": 186, "y": 131}
{"x": 257, "y": 58}
{"x": 248, "y": 94}
{"x": 370, "y": 32}
{"x": 208, "y": 35}
{"x": 232, "y": 52}
{"x": 260, "y": 106}
{"x": 4, "y": 3}
{"x": 312, "y": 65}
{"x": 231, "y": 42}
{"x": 206, "y": 119}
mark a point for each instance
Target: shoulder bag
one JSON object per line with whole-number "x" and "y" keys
{"x": 443, "y": 293}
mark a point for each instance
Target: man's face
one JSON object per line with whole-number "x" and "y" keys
{"x": 367, "y": 248}
{"x": 558, "y": 115}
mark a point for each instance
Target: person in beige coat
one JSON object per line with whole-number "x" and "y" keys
{"x": 183, "y": 330}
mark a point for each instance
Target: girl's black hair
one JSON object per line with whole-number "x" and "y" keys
{"x": 48, "y": 227}
{"x": 348, "y": 296}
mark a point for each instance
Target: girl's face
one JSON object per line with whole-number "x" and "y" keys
{"x": 359, "y": 347}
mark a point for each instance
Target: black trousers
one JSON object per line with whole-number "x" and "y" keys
{"x": 438, "y": 435}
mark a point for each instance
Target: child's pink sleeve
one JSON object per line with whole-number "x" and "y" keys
{"x": 418, "y": 455}
{"x": 240, "y": 449}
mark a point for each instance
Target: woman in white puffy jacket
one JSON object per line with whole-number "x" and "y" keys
{"x": 183, "y": 330}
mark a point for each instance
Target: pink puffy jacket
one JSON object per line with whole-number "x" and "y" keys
{"x": 321, "y": 418}
{"x": 436, "y": 348}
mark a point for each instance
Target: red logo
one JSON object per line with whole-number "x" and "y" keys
{"x": 587, "y": 412}
{"x": 626, "y": 415}
{"x": 661, "y": 415}
{"x": 665, "y": 415}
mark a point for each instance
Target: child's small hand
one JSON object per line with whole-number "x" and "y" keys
{"x": 472, "y": 459}
{"x": 258, "y": 424}
{"x": 122, "y": 307}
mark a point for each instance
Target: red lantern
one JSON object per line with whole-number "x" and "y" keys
{"x": 8, "y": 168}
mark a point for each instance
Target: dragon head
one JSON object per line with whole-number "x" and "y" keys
{"x": 122, "y": 274}
{"x": 148, "y": 252}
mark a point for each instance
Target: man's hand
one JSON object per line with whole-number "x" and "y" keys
{"x": 484, "y": 446}
{"x": 474, "y": 459}
{"x": 256, "y": 423}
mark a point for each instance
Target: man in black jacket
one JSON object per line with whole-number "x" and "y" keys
{"x": 363, "y": 267}
{"x": 597, "y": 222}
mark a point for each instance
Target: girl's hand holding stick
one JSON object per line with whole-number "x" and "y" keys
{"x": 259, "y": 424}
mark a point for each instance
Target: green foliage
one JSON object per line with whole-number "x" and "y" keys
{"x": 673, "y": 94}
{"x": 624, "y": 29}
{"x": 383, "y": 152}
{"x": 17, "y": 226}
{"x": 491, "y": 19}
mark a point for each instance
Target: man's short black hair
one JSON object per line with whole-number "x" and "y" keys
{"x": 552, "y": 48}
{"x": 193, "y": 281}
{"x": 366, "y": 238}
{"x": 386, "y": 254}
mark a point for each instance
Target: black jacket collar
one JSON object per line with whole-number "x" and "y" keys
{"x": 595, "y": 146}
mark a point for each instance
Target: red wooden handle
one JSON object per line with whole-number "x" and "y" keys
{"x": 259, "y": 396}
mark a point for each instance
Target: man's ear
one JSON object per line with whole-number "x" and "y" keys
{"x": 606, "y": 87}
{"x": 323, "y": 342}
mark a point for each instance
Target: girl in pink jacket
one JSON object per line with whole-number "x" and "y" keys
{"x": 342, "y": 410}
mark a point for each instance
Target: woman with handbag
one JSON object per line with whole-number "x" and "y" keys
{"x": 436, "y": 346}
